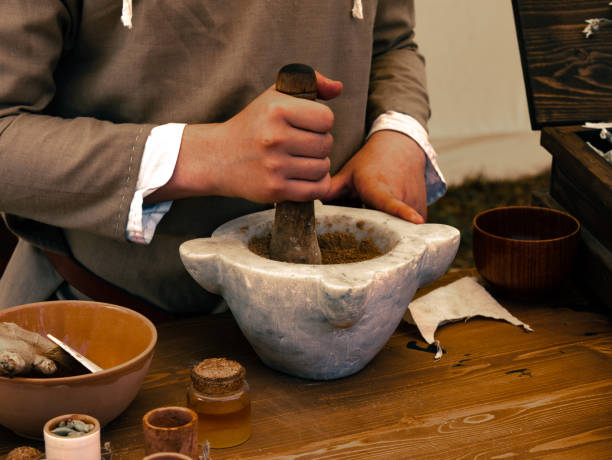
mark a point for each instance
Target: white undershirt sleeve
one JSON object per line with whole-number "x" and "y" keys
{"x": 395, "y": 121}
{"x": 156, "y": 168}
{"x": 161, "y": 152}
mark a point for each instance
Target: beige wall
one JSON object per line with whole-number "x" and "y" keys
{"x": 480, "y": 120}
{"x": 474, "y": 70}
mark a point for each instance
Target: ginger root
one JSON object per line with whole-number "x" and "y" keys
{"x": 23, "y": 351}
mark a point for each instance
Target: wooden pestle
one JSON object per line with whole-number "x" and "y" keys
{"x": 294, "y": 238}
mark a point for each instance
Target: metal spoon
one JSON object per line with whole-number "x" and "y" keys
{"x": 92, "y": 367}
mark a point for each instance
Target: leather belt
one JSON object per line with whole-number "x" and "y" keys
{"x": 100, "y": 290}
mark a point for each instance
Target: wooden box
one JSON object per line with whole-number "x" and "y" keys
{"x": 568, "y": 78}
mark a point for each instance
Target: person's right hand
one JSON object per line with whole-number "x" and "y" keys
{"x": 275, "y": 149}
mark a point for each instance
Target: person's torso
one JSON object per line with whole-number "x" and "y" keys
{"x": 196, "y": 61}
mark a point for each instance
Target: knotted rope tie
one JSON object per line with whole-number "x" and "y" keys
{"x": 357, "y": 10}
{"x": 126, "y": 13}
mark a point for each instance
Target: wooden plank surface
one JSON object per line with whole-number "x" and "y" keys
{"x": 581, "y": 183}
{"x": 567, "y": 77}
{"x": 594, "y": 263}
{"x": 581, "y": 180}
{"x": 498, "y": 392}
{"x": 586, "y": 208}
{"x": 585, "y": 167}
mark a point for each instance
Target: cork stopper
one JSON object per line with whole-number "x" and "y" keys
{"x": 217, "y": 376}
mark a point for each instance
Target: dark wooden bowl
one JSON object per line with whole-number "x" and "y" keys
{"x": 525, "y": 251}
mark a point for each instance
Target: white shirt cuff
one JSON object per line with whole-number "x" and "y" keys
{"x": 156, "y": 168}
{"x": 395, "y": 121}
{"x": 161, "y": 152}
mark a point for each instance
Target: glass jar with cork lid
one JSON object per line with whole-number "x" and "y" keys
{"x": 219, "y": 393}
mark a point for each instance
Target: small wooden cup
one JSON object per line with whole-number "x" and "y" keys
{"x": 167, "y": 456}
{"x": 525, "y": 251}
{"x": 171, "y": 429}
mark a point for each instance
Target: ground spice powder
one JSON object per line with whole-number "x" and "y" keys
{"x": 336, "y": 247}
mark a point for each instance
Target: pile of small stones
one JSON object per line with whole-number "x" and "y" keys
{"x": 72, "y": 428}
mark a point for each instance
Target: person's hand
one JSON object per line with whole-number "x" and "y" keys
{"x": 275, "y": 149}
{"x": 388, "y": 174}
{"x": 22, "y": 351}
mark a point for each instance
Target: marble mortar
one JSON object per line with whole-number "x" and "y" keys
{"x": 321, "y": 321}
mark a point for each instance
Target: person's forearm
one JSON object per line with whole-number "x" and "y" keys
{"x": 81, "y": 172}
{"x": 72, "y": 171}
{"x": 275, "y": 149}
{"x": 397, "y": 78}
{"x": 405, "y": 124}
{"x": 194, "y": 173}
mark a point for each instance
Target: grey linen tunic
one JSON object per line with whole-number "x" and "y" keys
{"x": 79, "y": 94}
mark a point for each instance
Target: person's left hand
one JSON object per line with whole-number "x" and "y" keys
{"x": 388, "y": 174}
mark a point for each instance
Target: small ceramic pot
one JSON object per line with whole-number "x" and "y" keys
{"x": 85, "y": 447}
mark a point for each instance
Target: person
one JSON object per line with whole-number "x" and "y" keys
{"x": 121, "y": 139}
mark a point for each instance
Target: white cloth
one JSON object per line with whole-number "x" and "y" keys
{"x": 460, "y": 300}
{"x": 161, "y": 152}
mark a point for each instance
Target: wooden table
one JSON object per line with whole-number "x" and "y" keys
{"x": 498, "y": 392}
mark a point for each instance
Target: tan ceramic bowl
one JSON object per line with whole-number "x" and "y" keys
{"x": 525, "y": 250}
{"x": 119, "y": 340}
